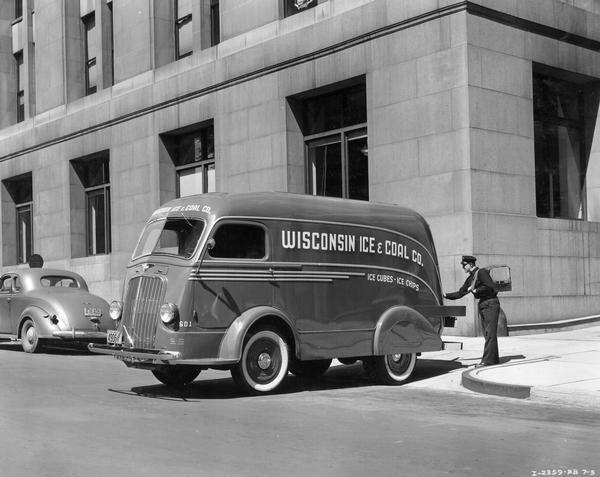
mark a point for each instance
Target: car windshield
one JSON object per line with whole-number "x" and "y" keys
{"x": 58, "y": 281}
{"x": 173, "y": 236}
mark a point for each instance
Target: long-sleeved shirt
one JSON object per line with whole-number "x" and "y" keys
{"x": 483, "y": 289}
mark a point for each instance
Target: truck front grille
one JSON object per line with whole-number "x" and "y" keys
{"x": 141, "y": 311}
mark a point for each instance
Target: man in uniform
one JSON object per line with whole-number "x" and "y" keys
{"x": 480, "y": 284}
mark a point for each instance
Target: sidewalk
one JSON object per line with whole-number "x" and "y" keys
{"x": 560, "y": 366}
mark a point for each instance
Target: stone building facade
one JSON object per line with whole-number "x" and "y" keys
{"x": 481, "y": 115}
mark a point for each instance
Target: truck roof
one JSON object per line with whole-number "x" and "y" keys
{"x": 301, "y": 207}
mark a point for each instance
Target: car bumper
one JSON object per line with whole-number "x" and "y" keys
{"x": 145, "y": 356}
{"x": 80, "y": 335}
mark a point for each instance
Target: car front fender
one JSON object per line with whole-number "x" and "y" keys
{"x": 232, "y": 343}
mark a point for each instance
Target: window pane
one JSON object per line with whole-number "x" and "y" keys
{"x": 239, "y": 241}
{"x": 184, "y": 38}
{"x": 184, "y": 7}
{"x": 58, "y": 281}
{"x": 560, "y": 157}
{"x": 190, "y": 181}
{"x": 96, "y": 215}
{"x": 24, "y": 236}
{"x": 215, "y": 27}
{"x": 296, "y": 6}
{"x": 325, "y": 163}
{"x": 172, "y": 237}
{"x": 358, "y": 169}
{"x": 92, "y": 80}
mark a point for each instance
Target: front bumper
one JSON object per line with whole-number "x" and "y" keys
{"x": 153, "y": 356}
{"x": 80, "y": 335}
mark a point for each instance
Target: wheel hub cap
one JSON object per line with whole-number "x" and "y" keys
{"x": 264, "y": 361}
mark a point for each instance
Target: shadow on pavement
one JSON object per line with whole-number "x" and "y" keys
{"x": 58, "y": 349}
{"x": 337, "y": 377}
{"x": 506, "y": 359}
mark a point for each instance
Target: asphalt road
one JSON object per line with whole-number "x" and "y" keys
{"x": 76, "y": 414}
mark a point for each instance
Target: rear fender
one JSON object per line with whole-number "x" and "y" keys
{"x": 402, "y": 329}
{"x": 232, "y": 343}
{"x": 41, "y": 319}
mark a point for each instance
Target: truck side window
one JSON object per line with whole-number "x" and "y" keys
{"x": 239, "y": 241}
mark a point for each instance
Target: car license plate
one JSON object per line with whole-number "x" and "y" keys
{"x": 113, "y": 337}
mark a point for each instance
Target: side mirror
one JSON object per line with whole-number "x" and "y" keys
{"x": 210, "y": 244}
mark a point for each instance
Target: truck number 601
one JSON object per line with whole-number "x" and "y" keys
{"x": 185, "y": 324}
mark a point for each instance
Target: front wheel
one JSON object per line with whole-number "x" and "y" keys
{"x": 177, "y": 375}
{"x": 264, "y": 363}
{"x": 30, "y": 341}
{"x": 391, "y": 368}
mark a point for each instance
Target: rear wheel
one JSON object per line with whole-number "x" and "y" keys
{"x": 30, "y": 341}
{"x": 310, "y": 369}
{"x": 264, "y": 363}
{"x": 177, "y": 375}
{"x": 391, "y": 368}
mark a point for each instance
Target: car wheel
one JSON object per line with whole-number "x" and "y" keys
{"x": 30, "y": 341}
{"x": 391, "y": 368}
{"x": 310, "y": 369}
{"x": 176, "y": 375}
{"x": 264, "y": 363}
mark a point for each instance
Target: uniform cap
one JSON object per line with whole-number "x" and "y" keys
{"x": 468, "y": 259}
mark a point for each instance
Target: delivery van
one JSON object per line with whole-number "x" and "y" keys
{"x": 263, "y": 284}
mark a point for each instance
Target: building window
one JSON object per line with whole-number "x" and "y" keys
{"x": 18, "y": 8}
{"x": 215, "y": 23}
{"x": 193, "y": 154}
{"x": 20, "y": 193}
{"x": 94, "y": 176}
{"x": 183, "y": 28}
{"x": 20, "y": 87}
{"x": 91, "y": 50}
{"x": 334, "y": 125}
{"x": 562, "y": 141}
{"x": 291, "y": 7}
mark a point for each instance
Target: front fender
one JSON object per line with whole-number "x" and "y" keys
{"x": 41, "y": 318}
{"x": 232, "y": 343}
{"x": 402, "y": 329}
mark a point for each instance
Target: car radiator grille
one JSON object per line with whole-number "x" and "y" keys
{"x": 141, "y": 310}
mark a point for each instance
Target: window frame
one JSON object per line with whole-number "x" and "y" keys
{"x": 20, "y": 98}
{"x": 179, "y": 23}
{"x": 579, "y": 89}
{"x": 337, "y": 136}
{"x": 89, "y": 60}
{"x": 215, "y": 22}
{"x": 22, "y": 253}
{"x": 90, "y": 231}
{"x": 226, "y": 222}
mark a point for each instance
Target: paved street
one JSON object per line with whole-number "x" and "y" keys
{"x": 75, "y": 414}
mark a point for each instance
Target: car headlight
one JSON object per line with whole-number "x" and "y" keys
{"x": 168, "y": 313}
{"x": 116, "y": 310}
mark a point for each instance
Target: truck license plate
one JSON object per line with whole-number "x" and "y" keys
{"x": 113, "y": 337}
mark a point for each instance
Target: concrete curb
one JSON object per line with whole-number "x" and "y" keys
{"x": 473, "y": 382}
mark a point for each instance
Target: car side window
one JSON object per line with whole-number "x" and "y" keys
{"x": 18, "y": 285}
{"x": 245, "y": 241}
{"x": 6, "y": 284}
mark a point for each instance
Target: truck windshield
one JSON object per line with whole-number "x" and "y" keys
{"x": 171, "y": 236}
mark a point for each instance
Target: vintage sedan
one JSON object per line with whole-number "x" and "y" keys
{"x": 41, "y": 305}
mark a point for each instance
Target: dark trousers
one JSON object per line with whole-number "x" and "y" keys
{"x": 489, "y": 311}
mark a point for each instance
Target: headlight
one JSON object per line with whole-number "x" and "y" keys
{"x": 168, "y": 313}
{"x": 116, "y": 310}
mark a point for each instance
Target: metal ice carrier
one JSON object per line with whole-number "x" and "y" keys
{"x": 266, "y": 283}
